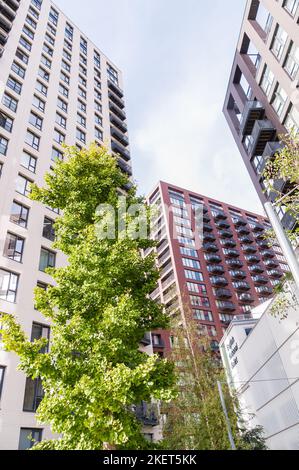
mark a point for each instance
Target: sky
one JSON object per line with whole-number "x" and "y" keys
{"x": 176, "y": 57}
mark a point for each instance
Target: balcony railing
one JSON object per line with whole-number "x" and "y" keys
{"x": 239, "y": 221}
{"x": 243, "y": 230}
{"x": 223, "y": 293}
{"x": 226, "y": 306}
{"x": 246, "y": 239}
{"x": 268, "y": 254}
{"x": 289, "y": 222}
{"x": 115, "y": 89}
{"x": 210, "y": 247}
{"x": 249, "y": 248}
{"x": 253, "y": 259}
{"x": 123, "y": 139}
{"x": 213, "y": 258}
{"x": 119, "y": 113}
{"x": 265, "y": 290}
{"x": 234, "y": 263}
{"x": 220, "y": 215}
{"x": 216, "y": 269}
{"x": 242, "y": 285}
{"x": 228, "y": 243}
{"x": 238, "y": 274}
{"x": 246, "y": 298}
{"x": 225, "y": 234}
{"x": 256, "y": 268}
{"x": 117, "y": 148}
{"x": 122, "y": 126}
{"x": 209, "y": 237}
{"x": 219, "y": 281}
{"x": 270, "y": 151}
{"x": 253, "y": 111}
{"x": 207, "y": 228}
{"x": 263, "y": 132}
{"x": 231, "y": 253}
{"x": 116, "y": 100}
{"x": 222, "y": 224}
{"x": 260, "y": 279}
{"x": 275, "y": 273}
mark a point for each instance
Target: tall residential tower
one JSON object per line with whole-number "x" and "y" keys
{"x": 56, "y": 86}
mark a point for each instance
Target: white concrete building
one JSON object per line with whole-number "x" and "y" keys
{"x": 261, "y": 358}
{"x": 56, "y": 86}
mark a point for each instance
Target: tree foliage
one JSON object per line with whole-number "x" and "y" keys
{"x": 195, "y": 419}
{"x": 99, "y": 311}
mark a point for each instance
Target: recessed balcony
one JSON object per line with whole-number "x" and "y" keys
{"x": 116, "y": 100}
{"x": 124, "y": 167}
{"x": 253, "y": 111}
{"x": 225, "y": 234}
{"x": 207, "y": 228}
{"x": 112, "y": 86}
{"x": 243, "y": 230}
{"x": 223, "y": 293}
{"x": 263, "y": 243}
{"x": 123, "y": 139}
{"x": 206, "y": 218}
{"x": 219, "y": 281}
{"x": 242, "y": 286}
{"x": 210, "y": 247}
{"x": 117, "y": 148}
{"x": 122, "y": 126}
{"x": 209, "y": 237}
{"x": 271, "y": 263}
{"x": 118, "y": 112}
{"x": 263, "y": 132}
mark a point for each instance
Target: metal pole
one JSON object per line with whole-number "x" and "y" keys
{"x": 229, "y": 429}
{"x": 284, "y": 242}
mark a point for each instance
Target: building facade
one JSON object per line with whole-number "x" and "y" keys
{"x": 56, "y": 86}
{"x": 260, "y": 354}
{"x": 212, "y": 271}
{"x": 262, "y": 100}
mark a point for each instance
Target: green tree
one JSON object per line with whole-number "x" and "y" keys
{"x": 195, "y": 419}
{"x": 99, "y": 311}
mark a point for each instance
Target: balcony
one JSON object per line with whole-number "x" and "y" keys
{"x": 222, "y": 224}
{"x": 116, "y": 100}
{"x": 259, "y": 235}
{"x": 220, "y": 215}
{"x": 206, "y": 218}
{"x": 209, "y": 237}
{"x": 249, "y": 249}
{"x": 263, "y": 132}
{"x": 226, "y": 306}
{"x": 158, "y": 342}
{"x": 215, "y": 269}
{"x": 223, "y": 293}
{"x": 146, "y": 340}
{"x": 256, "y": 268}
{"x": 271, "y": 263}
{"x": 207, "y": 228}
{"x": 270, "y": 151}
{"x": 265, "y": 290}
{"x": 243, "y": 230}
{"x": 242, "y": 286}
{"x": 239, "y": 221}
{"x": 225, "y": 234}
{"x": 238, "y": 274}
{"x": 263, "y": 243}
{"x": 260, "y": 279}
{"x": 122, "y": 126}
{"x": 119, "y": 113}
{"x": 117, "y": 148}
{"x": 112, "y": 86}
{"x": 275, "y": 273}
{"x": 231, "y": 253}
{"x": 124, "y": 167}
{"x": 253, "y": 111}
{"x": 289, "y": 222}
{"x": 123, "y": 139}
{"x": 246, "y": 298}
{"x": 246, "y": 239}
{"x": 234, "y": 263}
{"x": 219, "y": 281}
{"x": 268, "y": 254}
{"x": 210, "y": 247}
{"x": 213, "y": 258}
{"x": 229, "y": 243}
{"x": 147, "y": 414}
{"x": 257, "y": 227}
{"x": 253, "y": 259}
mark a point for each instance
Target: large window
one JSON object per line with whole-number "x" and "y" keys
{"x": 41, "y": 331}
{"x": 33, "y": 395}
{"x": 279, "y": 100}
{"x": 292, "y": 61}
{"x": 48, "y": 229}
{"x": 112, "y": 74}
{"x": 8, "y": 285}
{"x": 202, "y": 315}
{"x": 10, "y": 102}
{"x": 38, "y": 103}
{"x": 29, "y": 437}
{"x": 267, "y": 80}
{"x": 14, "y": 85}
{"x": 193, "y": 275}
{"x": 19, "y": 214}
{"x": 291, "y": 6}
{"x": 3, "y": 145}
{"x": 17, "y": 69}
{"x": 279, "y": 41}
{"x": 191, "y": 263}
{"x": 14, "y": 247}
{"x": 33, "y": 140}
{"x": 47, "y": 259}
{"x": 6, "y": 122}
{"x": 23, "y": 185}
{"x": 28, "y": 161}
{"x": 36, "y": 121}
{"x": 292, "y": 120}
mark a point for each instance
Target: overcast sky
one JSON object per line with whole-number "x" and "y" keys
{"x": 176, "y": 57}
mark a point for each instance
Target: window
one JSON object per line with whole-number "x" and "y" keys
{"x": 292, "y": 120}
{"x": 193, "y": 275}
{"x": 97, "y": 59}
{"x": 3, "y": 145}
{"x": 83, "y": 59}
{"x": 59, "y": 137}
{"x": 46, "y": 61}
{"x": 10, "y": 103}
{"x": 28, "y": 161}
{"x": 81, "y": 106}
{"x": 6, "y": 122}
{"x": 97, "y": 95}
{"x": 14, "y": 85}
{"x": 61, "y": 120}
{"x": 67, "y": 55}
{"x": 18, "y": 69}
{"x": 23, "y": 185}
{"x": 28, "y": 32}
{"x": 32, "y": 140}
{"x": 82, "y": 93}
{"x": 37, "y": 3}
{"x": 33, "y": 396}
{"x": 204, "y": 315}
{"x": 36, "y": 121}
{"x": 291, "y": 6}
{"x": 19, "y": 214}
{"x": 26, "y": 44}
{"x": 98, "y": 134}
{"x": 98, "y": 106}
{"x": 65, "y": 78}
{"x": 56, "y": 154}
{"x": 81, "y": 120}
{"x": 82, "y": 81}
{"x": 81, "y": 135}
{"x": 2, "y": 372}
{"x": 31, "y": 22}
{"x": 98, "y": 120}
{"x": 41, "y": 88}
{"x": 48, "y": 49}
{"x": 279, "y": 41}
{"x": 48, "y": 229}
{"x": 65, "y": 66}
{"x": 50, "y": 39}
{"x": 29, "y": 437}
{"x": 112, "y": 74}
{"x": 292, "y": 61}
{"x": 47, "y": 259}
{"x": 14, "y": 246}
{"x": 32, "y": 11}
{"x": 186, "y": 241}
{"x": 83, "y": 45}
{"x": 69, "y": 31}
{"x": 62, "y": 105}
{"x": 8, "y": 285}
{"x": 40, "y": 331}
{"x": 51, "y": 29}
{"x": 188, "y": 252}
{"x": 82, "y": 70}
{"x": 68, "y": 45}
{"x": 44, "y": 74}
{"x": 53, "y": 16}
{"x": 191, "y": 263}
{"x": 279, "y": 100}
{"x": 38, "y": 103}
{"x": 22, "y": 56}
